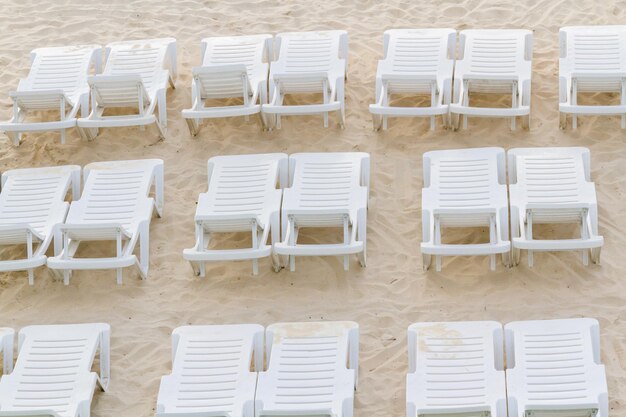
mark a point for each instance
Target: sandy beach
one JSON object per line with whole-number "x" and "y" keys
{"x": 393, "y": 291}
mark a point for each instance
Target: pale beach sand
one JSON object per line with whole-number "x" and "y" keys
{"x": 392, "y": 291}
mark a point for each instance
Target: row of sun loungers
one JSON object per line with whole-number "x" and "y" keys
{"x": 261, "y": 70}
{"x": 542, "y": 368}
{"x": 468, "y": 188}
{"x": 247, "y": 193}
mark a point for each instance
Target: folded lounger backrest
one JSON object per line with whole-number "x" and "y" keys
{"x": 416, "y": 61}
{"x": 32, "y": 203}
{"x": 592, "y": 60}
{"x": 52, "y": 375}
{"x": 464, "y": 188}
{"x": 456, "y": 368}
{"x": 553, "y": 185}
{"x": 312, "y": 369}
{"x": 554, "y": 368}
{"x": 211, "y": 371}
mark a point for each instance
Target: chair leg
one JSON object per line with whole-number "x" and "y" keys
{"x": 292, "y": 242}
{"x": 437, "y": 239}
{"x": 346, "y": 240}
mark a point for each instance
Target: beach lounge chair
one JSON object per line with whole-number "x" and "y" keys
{"x": 326, "y": 190}
{"x": 242, "y": 196}
{"x": 52, "y": 375}
{"x": 233, "y": 66}
{"x": 312, "y": 370}
{"x": 465, "y": 188}
{"x": 114, "y": 207}
{"x": 211, "y": 371}
{"x": 591, "y": 60}
{"x": 549, "y": 186}
{"x": 309, "y": 63}
{"x": 493, "y": 61}
{"x": 136, "y": 76}
{"x": 6, "y": 348}
{"x": 554, "y": 369}
{"x": 32, "y": 203}
{"x": 417, "y": 61}
{"x": 57, "y": 81}
{"x": 456, "y": 369}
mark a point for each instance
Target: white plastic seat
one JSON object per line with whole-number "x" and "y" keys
{"x": 312, "y": 370}
{"x": 232, "y": 66}
{"x": 416, "y": 61}
{"x": 114, "y": 207}
{"x": 309, "y": 62}
{"x": 211, "y": 371}
{"x": 548, "y": 186}
{"x": 465, "y": 188}
{"x": 592, "y": 60}
{"x": 242, "y": 196}
{"x": 32, "y": 203}
{"x": 493, "y": 61}
{"x": 57, "y": 81}
{"x": 7, "y": 336}
{"x": 326, "y": 190}
{"x": 136, "y": 75}
{"x": 52, "y": 375}
{"x": 554, "y": 369}
{"x": 456, "y": 369}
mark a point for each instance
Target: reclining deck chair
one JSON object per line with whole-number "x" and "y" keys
{"x": 552, "y": 185}
{"x": 114, "y": 207}
{"x": 52, "y": 375}
{"x": 417, "y": 61}
{"x": 456, "y": 369}
{"x": 592, "y": 60}
{"x": 136, "y": 75}
{"x": 326, "y": 190}
{"x": 242, "y": 196}
{"x": 233, "y": 66}
{"x": 309, "y": 62}
{"x": 32, "y": 203}
{"x": 57, "y": 81}
{"x": 312, "y": 370}
{"x": 6, "y": 348}
{"x": 493, "y": 61}
{"x": 211, "y": 371}
{"x": 465, "y": 188}
{"x": 554, "y": 369}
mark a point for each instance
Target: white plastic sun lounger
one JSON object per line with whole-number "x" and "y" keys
{"x": 592, "y": 60}
{"x": 233, "y": 66}
{"x": 417, "y": 61}
{"x": 242, "y": 196}
{"x": 7, "y": 336}
{"x": 312, "y": 370}
{"x": 115, "y": 207}
{"x": 553, "y": 185}
{"x": 136, "y": 75}
{"x": 326, "y": 190}
{"x": 32, "y": 203}
{"x": 309, "y": 62}
{"x": 211, "y": 371}
{"x": 456, "y": 369}
{"x": 493, "y": 61}
{"x": 57, "y": 81}
{"x": 52, "y": 376}
{"x": 465, "y": 188}
{"x": 554, "y": 369}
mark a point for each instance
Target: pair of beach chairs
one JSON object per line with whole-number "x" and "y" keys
{"x": 256, "y": 193}
{"x": 424, "y": 61}
{"x": 292, "y": 63}
{"x": 526, "y": 368}
{"x": 468, "y": 188}
{"x": 135, "y": 77}
{"x": 311, "y": 370}
{"x": 115, "y": 206}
